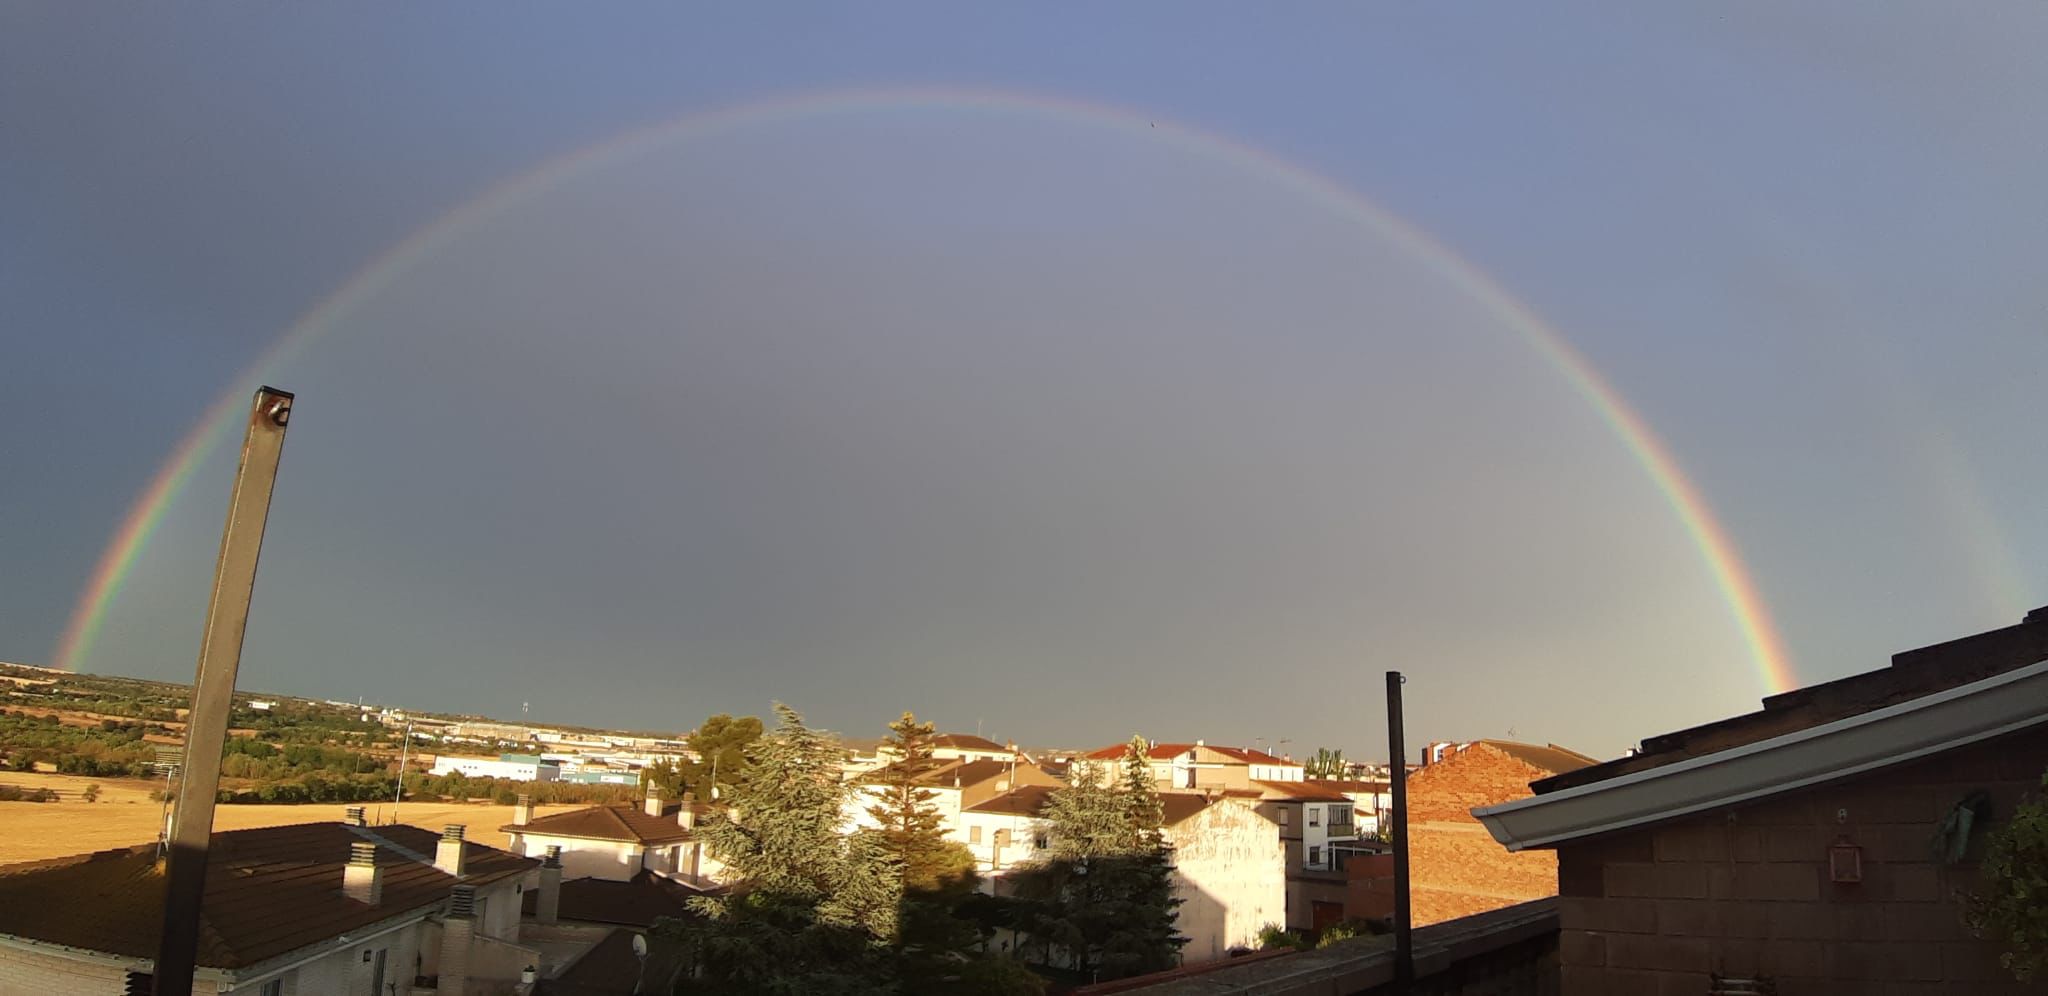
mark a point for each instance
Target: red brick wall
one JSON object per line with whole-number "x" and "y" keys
{"x": 1745, "y": 891}
{"x": 1456, "y": 867}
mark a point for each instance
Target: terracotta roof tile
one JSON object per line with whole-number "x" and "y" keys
{"x": 636, "y": 902}
{"x": 269, "y": 891}
{"x": 619, "y": 821}
{"x": 966, "y": 741}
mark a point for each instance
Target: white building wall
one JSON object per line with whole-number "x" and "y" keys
{"x": 1230, "y": 872}
{"x": 614, "y": 861}
{"x": 491, "y": 767}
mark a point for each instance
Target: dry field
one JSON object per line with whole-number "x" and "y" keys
{"x": 124, "y": 815}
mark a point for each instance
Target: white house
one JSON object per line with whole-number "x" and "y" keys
{"x": 315, "y": 908}
{"x": 618, "y": 841}
{"x": 1230, "y": 870}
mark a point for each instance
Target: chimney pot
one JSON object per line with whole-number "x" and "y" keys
{"x": 449, "y": 853}
{"x": 458, "y": 931}
{"x": 686, "y": 814}
{"x": 652, "y": 807}
{"x": 522, "y": 811}
{"x": 361, "y": 879}
{"x": 353, "y": 816}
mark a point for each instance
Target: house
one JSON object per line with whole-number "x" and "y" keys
{"x": 1455, "y": 869}
{"x": 618, "y": 841}
{"x": 1820, "y": 845}
{"x": 509, "y": 767}
{"x": 307, "y": 909}
{"x": 1182, "y": 767}
{"x": 1229, "y": 867}
{"x": 954, "y": 785}
{"x": 1311, "y": 817}
{"x": 1371, "y": 798}
{"x": 968, "y": 747}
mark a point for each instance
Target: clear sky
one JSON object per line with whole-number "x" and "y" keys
{"x": 1061, "y": 386}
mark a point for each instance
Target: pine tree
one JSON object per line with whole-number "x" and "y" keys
{"x": 909, "y": 821}
{"x": 813, "y": 911}
{"x": 1102, "y": 899}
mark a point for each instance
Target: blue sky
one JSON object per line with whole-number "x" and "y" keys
{"x": 1058, "y": 427}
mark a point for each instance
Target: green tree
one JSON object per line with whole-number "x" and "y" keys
{"x": 813, "y": 911}
{"x": 907, "y": 818}
{"x": 721, "y": 744}
{"x": 1100, "y": 901}
{"x": 2008, "y": 908}
{"x": 1327, "y": 764}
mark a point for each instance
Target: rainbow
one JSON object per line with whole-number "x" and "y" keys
{"x": 1716, "y": 549}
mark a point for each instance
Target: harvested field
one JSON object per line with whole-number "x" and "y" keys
{"x": 125, "y": 815}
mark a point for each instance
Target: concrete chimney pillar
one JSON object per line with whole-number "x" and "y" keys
{"x": 353, "y": 816}
{"x": 458, "y": 935}
{"x": 686, "y": 816}
{"x": 449, "y": 851}
{"x": 652, "y": 806}
{"x": 522, "y": 811}
{"x": 547, "y": 906}
{"x": 361, "y": 879}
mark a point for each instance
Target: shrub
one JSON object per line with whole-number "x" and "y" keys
{"x": 91, "y": 793}
{"x": 1273, "y": 936}
{"x": 2008, "y": 908}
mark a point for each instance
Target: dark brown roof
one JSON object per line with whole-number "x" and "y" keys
{"x": 269, "y": 891}
{"x": 966, "y": 741}
{"x": 1025, "y": 801}
{"x": 620, "y": 821}
{"x": 1912, "y": 674}
{"x": 610, "y": 968}
{"x": 636, "y": 902}
{"x": 1030, "y": 800}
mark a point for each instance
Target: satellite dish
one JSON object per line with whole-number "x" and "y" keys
{"x": 640, "y": 946}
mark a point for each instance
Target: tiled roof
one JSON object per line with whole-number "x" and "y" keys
{"x": 1165, "y": 752}
{"x": 269, "y": 891}
{"x": 636, "y": 902}
{"x": 966, "y": 741}
{"x": 611, "y": 968}
{"x": 1913, "y": 674}
{"x": 1025, "y": 801}
{"x": 1550, "y": 757}
{"x": 1354, "y": 784}
{"x": 1030, "y": 800}
{"x": 619, "y": 821}
{"x": 1299, "y": 791}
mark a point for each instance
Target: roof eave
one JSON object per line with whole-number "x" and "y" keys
{"x": 1945, "y": 720}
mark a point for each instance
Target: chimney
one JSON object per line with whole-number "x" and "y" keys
{"x": 547, "y": 906}
{"x": 361, "y": 879}
{"x": 686, "y": 816}
{"x": 458, "y": 932}
{"x": 522, "y": 811}
{"x": 448, "y": 853}
{"x": 653, "y": 804}
{"x": 353, "y": 816}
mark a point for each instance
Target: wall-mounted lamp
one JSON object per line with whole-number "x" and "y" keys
{"x": 1845, "y": 861}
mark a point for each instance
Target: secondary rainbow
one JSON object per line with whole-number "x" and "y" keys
{"x": 1723, "y": 562}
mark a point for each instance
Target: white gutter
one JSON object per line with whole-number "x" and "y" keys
{"x": 1928, "y": 725}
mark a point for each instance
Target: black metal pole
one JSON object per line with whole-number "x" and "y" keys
{"x": 213, "y": 691}
{"x": 1404, "y": 936}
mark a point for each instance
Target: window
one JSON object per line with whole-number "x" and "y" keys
{"x": 1340, "y": 817}
{"x": 1039, "y": 841}
{"x": 1315, "y": 857}
{"x": 1286, "y": 816}
{"x": 1315, "y": 816}
{"x": 274, "y": 987}
{"x": 974, "y": 835}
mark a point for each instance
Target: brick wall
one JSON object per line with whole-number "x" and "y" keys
{"x": 1456, "y": 868}
{"x": 1746, "y": 892}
